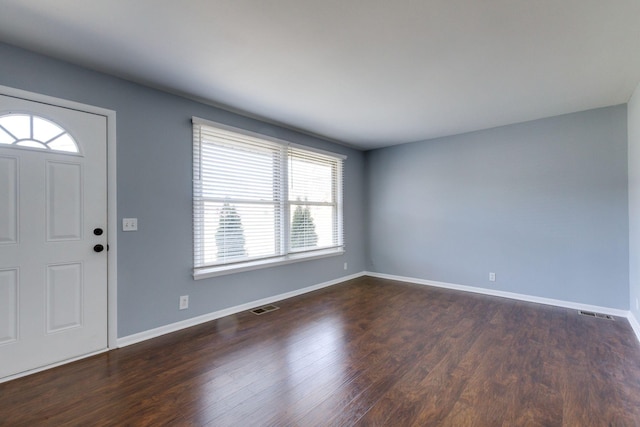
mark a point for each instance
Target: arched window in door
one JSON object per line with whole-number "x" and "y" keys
{"x": 31, "y": 131}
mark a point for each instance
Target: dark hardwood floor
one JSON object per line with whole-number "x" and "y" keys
{"x": 368, "y": 352}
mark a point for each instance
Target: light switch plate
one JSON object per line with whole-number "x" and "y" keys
{"x": 129, "y": 224}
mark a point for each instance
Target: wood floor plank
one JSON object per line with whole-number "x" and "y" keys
{"x": 366, "y": 352}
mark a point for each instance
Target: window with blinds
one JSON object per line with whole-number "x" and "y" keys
{"x": 259, "y": 201}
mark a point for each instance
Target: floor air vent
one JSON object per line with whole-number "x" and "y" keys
{"x": 598, "y": 315}
{"x": 264, "y": 309}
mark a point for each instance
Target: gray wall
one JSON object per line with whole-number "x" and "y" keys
{"x": 154, "y": 184}
{"x": 543, "y": 204}
{"x": 633, "y": 115}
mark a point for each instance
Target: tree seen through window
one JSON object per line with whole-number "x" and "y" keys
{"x": 230, "y": 234}
{"x": 303, "y": 229}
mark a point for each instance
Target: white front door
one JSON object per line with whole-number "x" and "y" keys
{"x": 53, "y": 236}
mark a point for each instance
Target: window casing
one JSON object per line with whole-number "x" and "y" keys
{"x": 259, "y": 201}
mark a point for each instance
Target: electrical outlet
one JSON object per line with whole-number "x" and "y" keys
{"x": 345, "y": 265}
{"x": 129, "y": 224}
{"x": 184, "y": 302}
{"x": 492, "y": 277}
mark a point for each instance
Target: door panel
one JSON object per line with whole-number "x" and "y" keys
{"x": 53, "y": 285}
{"x": 64, "y": 297}
{"x": 8, "y": 305}
{"x": 64, "y": 201}
{"x": 8, "y": 200}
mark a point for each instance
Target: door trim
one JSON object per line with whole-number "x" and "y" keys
{"x": 112, "y": 207}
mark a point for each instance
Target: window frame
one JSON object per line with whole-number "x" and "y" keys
{"x": 281, "y": 236}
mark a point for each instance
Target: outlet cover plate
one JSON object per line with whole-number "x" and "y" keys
{"x": 184, "y": 302}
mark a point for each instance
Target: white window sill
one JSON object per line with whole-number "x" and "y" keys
{"x": 206, "y": 272}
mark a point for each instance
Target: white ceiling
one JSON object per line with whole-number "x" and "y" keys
{"x": 368, "y": 73}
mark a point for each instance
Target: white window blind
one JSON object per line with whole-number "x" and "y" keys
{"x": 258, "y": 200}
{"x": 314, "y": 193}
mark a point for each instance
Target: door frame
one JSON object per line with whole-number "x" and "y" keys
{"x": 112, "y": 208}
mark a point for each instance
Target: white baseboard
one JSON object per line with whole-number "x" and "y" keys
{"x": 635, "y": 325}
{"x": 173, "y": 327}
{"x": 503, "y": 294}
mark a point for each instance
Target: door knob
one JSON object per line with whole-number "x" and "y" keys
{"x": 97, "y": 231}
{"x": 98, "y": 248}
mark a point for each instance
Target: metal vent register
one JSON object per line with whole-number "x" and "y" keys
{"x": 264, "y": 309}
{"x": 597, "y": 315}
